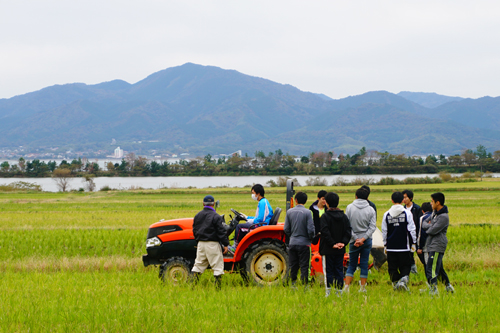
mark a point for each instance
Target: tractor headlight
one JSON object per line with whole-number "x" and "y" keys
{"x": 152, "y": 242}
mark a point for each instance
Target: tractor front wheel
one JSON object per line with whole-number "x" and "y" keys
{"x": 267, "y": 264}
{"x": 175, "y": 270}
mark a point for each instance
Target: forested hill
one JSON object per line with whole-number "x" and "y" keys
{"x": 206, "y": 109}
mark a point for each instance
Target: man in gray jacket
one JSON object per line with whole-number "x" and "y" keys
{"x": 363, "y": 223}
{"x": 299, "y": 229}
{"x": 436, "y": 227}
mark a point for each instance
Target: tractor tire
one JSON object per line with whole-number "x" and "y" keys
{"x": 175, "y": 270}
{"x": 266, "y": 265}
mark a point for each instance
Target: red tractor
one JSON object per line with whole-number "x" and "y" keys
{"x": 261, "y": 256}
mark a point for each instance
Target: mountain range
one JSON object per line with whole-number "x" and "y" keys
{"x": 206, "y": 109}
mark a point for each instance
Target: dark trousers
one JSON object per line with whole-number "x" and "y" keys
{"x": 412, "y": 259}
{"x": 434, "y": 268}
{"x": 240, "y": 232}
{"x": 421, "y": 256}
{"x": 333, "y": 268}
{"x": 299, "y": 256}
{"x": 399, "y": 264}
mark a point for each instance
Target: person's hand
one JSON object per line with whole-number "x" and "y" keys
{"x": 359, "y": 242}
{"x": 244, "y": 216}
{"x": 413, "y": 248}
{"x": 225, "y": 250}
{"x": 385, "y": 249}
{"x": 339, "y": 245}
{"x": 419, "y": 251}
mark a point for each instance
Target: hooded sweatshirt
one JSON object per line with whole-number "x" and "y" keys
{"x": 335, "y": 228}
{"x": 362, "y": 218}
{"x": 398, "y": 229}
{"x": 436, "y": 228}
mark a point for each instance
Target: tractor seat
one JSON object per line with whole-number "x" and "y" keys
{"x": 276, "y": 216}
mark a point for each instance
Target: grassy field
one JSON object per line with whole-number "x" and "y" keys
{"x": 72, "y": 262}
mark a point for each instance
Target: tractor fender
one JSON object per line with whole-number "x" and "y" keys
{"x": 264, "y": 232}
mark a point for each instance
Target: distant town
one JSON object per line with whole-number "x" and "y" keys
{"x": 57, "y": 153}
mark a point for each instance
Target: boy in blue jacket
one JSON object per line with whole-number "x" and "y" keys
{"x": 263, "y": 216}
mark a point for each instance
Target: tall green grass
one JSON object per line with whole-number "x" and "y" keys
{"x": 133, "y": 301}
{"x": 73, "y": 262}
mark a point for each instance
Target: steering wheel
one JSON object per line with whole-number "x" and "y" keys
{"x": 238, "y": 214}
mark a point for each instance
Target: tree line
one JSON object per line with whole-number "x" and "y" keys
{"x": 364, "y": 162}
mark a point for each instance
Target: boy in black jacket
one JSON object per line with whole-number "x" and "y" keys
{"x": 318, "y": 208}
{"x": 416, "y": 212}
{"x": 335, "y": 235}
{"x": 421, "y": 233}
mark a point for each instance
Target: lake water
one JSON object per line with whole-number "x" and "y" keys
{"x": 49, "y": 185}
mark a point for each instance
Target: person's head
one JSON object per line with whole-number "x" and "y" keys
{"x": 332, "y": 200}
{"x": 258, "y": 192}
{"x": 397, "y": 197}
{"x": 437, "y": 200}
{"x": 362, "y": 193}
{"x": 408, "y": 197}
{"x": 321, "y": 198}
{"x": 300, "y": 198}
{"x": 426, "y": 207}
{"x": 209, "y": 201}
{"x": 366, "y": 187}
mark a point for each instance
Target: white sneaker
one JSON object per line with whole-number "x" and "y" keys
{"x": 328, "y": 291}
{"x": 403, "y": 284}
{"x": 362, "y": 288}
{"x": 449, "y": 288}
{"x": 433, "y": 290}
{"x": 414, "y": 269}
{"x": 346, "y": 289}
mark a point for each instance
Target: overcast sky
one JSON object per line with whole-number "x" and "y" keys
{"x": 338, "y": 48}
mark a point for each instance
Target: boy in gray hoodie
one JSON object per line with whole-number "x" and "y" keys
{"x": 436, "y": 227}
{"x": 363, "y": 223}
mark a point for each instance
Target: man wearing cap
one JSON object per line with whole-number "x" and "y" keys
{"x": 208, "y": 230}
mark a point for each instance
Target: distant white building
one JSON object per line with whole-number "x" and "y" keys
{"x": 118, "y": 152}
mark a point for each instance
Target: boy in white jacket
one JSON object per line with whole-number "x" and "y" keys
{"x": 399, "y": 235}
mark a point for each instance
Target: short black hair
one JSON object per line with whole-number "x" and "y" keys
{"x": 397, "y": 197}
{"x": 301, "y": 198}
{"x": 259, "y": 189}
{"x": 426, "y": 207}
{"x": 438, "y": 196}
{"x": 409, "y": 194}
{"x": 366, "y": 187}
{"x": 321, "y": 194}
{"x": 361, "y": 193}
{"x": 332, "y": 199}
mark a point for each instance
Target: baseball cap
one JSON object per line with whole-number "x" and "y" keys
{"x": 208, "y": 199}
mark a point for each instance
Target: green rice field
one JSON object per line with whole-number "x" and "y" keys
{"x": 72, "y": 262}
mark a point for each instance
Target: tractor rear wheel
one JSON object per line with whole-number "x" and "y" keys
{"x": 175, "y": 270}
{"x": 267, "y": 264}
